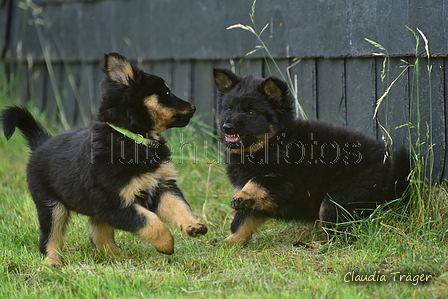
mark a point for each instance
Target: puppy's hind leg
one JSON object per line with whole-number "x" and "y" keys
{"x": 139, "y": 220}
{"x": 174, "y": 209}
{"x": 102, "y": 235}
{"x": 52, "y": 220}
{"x": 331, "y": 214}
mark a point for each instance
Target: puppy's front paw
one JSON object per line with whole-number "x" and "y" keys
{"x": 242, "y": 201}
{"x": 196, "y": 230}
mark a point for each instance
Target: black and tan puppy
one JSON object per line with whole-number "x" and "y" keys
{"x": 293, "y": 169}
{"x": 117, "y": 172}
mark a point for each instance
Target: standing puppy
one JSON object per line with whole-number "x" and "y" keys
{"x": 293, "y": 169}
{"x": 117, "y": 172}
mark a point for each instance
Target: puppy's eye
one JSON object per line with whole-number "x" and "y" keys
{"x": 168, "y": 92}
{"x": 250, "y": 112}
{"x": 228, "y": 109}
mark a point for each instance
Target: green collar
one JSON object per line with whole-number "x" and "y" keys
{"x": 138, "y": 138}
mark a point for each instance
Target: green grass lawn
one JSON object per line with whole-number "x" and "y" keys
{"x": 400, "y": 244}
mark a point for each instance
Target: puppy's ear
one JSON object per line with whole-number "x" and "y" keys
{"x": 275, "y": 89}
{"x": 117, "y": 68}
{"x": 224, "y": 79}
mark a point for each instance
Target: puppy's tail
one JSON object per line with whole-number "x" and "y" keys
{"x": 401, "y": 169}
{"x": 18, "y": 117}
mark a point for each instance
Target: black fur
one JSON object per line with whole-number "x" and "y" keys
{"x": 88, "y": 170}
{"x": 302, "y": 167}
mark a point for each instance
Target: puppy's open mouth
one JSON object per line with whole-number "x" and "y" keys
{"x": 234, "y": 138}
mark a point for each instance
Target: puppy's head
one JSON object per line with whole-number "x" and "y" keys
{"x": 251, "y": 109}
{"x": 138, "y": 101}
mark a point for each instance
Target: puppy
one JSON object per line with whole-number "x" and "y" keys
{"x": 117, "y": 171}
{"x": 293, "y": 169}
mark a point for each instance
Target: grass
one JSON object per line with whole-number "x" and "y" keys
{"x": 269, "y": 266}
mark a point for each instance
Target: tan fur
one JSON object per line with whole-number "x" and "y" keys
{"x": 246, "y": 230}
{"x": 55, "y": 244}
{"x": 155, "y": 232}
{"x": 119, "y": 70}
{"x": 273, "y": 91}
{"x": 176, "y": 212}
{"x": 222, "y": 82}
{"x": 146, "y": 182}
{"x": 162, "y": 115}
{"x": 102, "y": 235}
{"x": 259, "y": 194}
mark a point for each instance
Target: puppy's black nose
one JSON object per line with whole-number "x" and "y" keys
{"x": 227, "y": 126}
{"x": 193, "y": 107}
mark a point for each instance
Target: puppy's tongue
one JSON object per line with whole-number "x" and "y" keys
{"x": 233, "y": 138}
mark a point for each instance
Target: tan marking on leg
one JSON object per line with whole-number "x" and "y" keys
{"x": 60, "y": 215}
{"x": 102, "y": 235}
{"x": 155, "y": 232}
{"x": 146, "y": 182}
{"x": 176, "y": 212}
{"x": 246, "y": 230}
{"x": 256, "y": 193}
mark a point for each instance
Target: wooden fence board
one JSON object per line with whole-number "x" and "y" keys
{"x": 181, "y": 80}
{"x": 445, "y": 95}
{"x": 3, "y": 24}
{"x": 328, "y": 29}
{"x": 21, "y": 78}
{"x": 245, "y": 67}
{"x": 86, "y": 33}
{"x": 277, "y": 69}
{"x": 432, "y": 122}
{"x": 394, "y": 110}
{"x": 68, "y": 94}
{"x": 203, "y": 90}
{"x": 304, "y": 77}
{"x": 360, "y": 93}
{"x": 85, "y": 96}
{"x": 331, "y": 101}
{"x": 37, "y": 90}
{"x": 163, "y": 70}
{"x": 50, "y": 98}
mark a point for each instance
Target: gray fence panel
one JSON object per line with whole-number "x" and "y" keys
{"x": 431, "y": 109}
{"x": 361, "y": 97}
{"x": 3, "y": 24}
{"x": 68, "y": 92}
{"x": 331, "y": 101}
{"x": 304, "y": 78}
{"x": 445, "y": 68}
{"x": 439, "y": 121}
{"x": 87, "y": 93}
{"x": 167, "y": 30}
{"x": 204, "y": 90}
{"x": 394, "y": 109}
{"x": 181, "y": 80}
{"x": 37, "y": 85}
{"x": 277, "y": 69}
{"x": 245, "y": 67}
